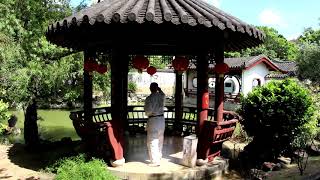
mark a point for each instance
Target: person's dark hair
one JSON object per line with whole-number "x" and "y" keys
{"x": 154, "y": 87}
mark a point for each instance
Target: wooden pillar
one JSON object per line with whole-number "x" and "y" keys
{"x": 178, "y": 103}
{"x": 119, "y": 87}
{"x": 219, "y": 87}
{"x": 125, "y": 71}
{"x": 202, "y": 92}
{"x": 87, "y": 88}
{"x": 202, "y": 106}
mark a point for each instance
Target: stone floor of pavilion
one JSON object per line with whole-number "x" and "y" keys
{"x": 136, "y": 166}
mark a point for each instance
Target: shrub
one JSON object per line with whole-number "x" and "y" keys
{"x": 132, "y": 87}
{"x": 4, "y": 115}
{"x": 76, "y": 168}
{"x": 276, "y": 113}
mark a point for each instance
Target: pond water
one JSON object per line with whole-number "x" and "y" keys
{"x": 53, "y": 125}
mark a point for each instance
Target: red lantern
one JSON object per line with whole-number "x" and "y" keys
{"x": 180, "y": 63}
{"x": 90, "y": 65}
{"x": 151, "y": 70}
{"x": 221, "y": 68}
{"x": 140, "y": 62}
{"x": 101, "y": 69}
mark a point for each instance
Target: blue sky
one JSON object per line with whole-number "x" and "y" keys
{"x": 288, "y": 17}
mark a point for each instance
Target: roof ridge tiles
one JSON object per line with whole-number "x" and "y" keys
{"x": 177, "y": 12}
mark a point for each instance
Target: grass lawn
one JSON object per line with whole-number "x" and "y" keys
{"x": 53, "y": 125}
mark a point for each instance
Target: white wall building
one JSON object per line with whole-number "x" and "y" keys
{"x": 245, "y": 74}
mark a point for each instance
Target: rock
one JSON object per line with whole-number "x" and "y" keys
{"x": 301, "y": 154}
{"x": 277, "y": 167}
{"x": 268, "y": 166}
{"x": 257, "y": 174}
{"x": 314, "y": 150}
{"x": 284, "y": 165}
{"x": 284, "y": 160}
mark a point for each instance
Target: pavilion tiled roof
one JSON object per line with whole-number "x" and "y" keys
{"x": 178, "y": 12}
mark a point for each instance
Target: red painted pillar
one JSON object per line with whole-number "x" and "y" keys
{"x": 87, "y": 88}
{"x": 202, "y": 92}
{"x": 219, "y": 87}
{"x": 119, "y": 85}
{"x": 202, "y": 106}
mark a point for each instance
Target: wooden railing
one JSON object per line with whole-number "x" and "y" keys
{"x": 137, "y": 120}
{"x": 93, "y": 131}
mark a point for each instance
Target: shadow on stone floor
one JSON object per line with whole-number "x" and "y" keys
{"x": 44, "y": 155}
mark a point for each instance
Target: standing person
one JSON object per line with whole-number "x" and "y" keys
{"x": 154, "y": 105}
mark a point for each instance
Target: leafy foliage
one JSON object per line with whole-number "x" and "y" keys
{"x": 29, "y": 62}
{"x": 4, "y": 115}
{"x": 132, "y": 87}
{"x": 310, "y": 36}
{"x": 300, "y": 144}
{"x": 3, "y": 111}
{"x": 277, "y": 112}
{"x": 275, "y": 46}
{"x": 157, "y": 62}
{"x": 308, "y": 62}
{"x": 76, "y": 168}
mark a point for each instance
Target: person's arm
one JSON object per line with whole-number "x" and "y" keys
{"x": 160, "y": 91}
{"x": 148, "y": 107}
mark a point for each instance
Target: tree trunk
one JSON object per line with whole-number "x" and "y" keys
{"x": 31, "y": 136}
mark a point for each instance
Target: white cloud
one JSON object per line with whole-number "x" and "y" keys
{"x": 216, "y": 3}
{"x": 271, "y": 17}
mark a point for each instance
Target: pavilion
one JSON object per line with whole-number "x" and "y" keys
{"x": 125, "y": 28}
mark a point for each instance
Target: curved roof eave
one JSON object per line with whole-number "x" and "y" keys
{"x": 187, "y": 13}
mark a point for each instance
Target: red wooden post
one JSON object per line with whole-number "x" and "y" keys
{"x": 87, "y": 88}
{"x": 219, "y": 87}
{"x": 119, "y": 85}
{"x": 202, "y": 105}
{"x": 202, "y": 92}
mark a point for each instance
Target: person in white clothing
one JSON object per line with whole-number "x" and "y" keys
{"x": 154, "y": 105}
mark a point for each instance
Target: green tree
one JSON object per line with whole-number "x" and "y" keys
{"x": 275, "y": 46}
{"x": 310, "y": 36}
{"x": 274, "y": 115}
{"x": 308, "y": 62}
{"x": 29, "y": 69}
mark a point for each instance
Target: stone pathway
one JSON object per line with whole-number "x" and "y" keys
{"x": 11, "y": 171}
